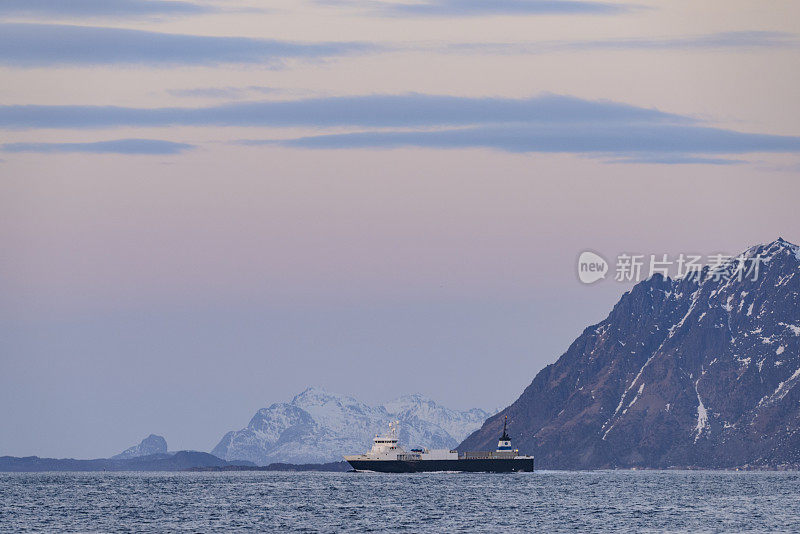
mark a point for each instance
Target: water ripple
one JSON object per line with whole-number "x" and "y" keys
{"x": 617, "y": 501}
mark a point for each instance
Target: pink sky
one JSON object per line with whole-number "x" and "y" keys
{"x": 178, "y": 293}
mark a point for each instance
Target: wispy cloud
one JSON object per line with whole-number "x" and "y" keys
{"x": 223, "y": 92}
{"x": 674, "y": 159}
{"x": 100, "y": 8}
{"x": 545, "y": 124}
{"x": 414, "y": 110}
{"x": 38, "y": 45}
{"x": 754, "y": 40}
{"x": 634, "y": 142}
{"x": 476, "y": 8}
{"x": 34, "y": 45}
{"x": 119, "y": 146}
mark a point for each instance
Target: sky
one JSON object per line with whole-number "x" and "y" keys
{"x": 208, "y": 206}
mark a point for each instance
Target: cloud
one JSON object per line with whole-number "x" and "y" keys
{"x": 675, "y": 159}
{"x": 618, "y": 142}
{"x": 120, "y": 146}
{"x": 545, "y": 124}
{"x": 222, "y": 92}
{"x": 412, "y": 110}
{"x": 714, "y": 41}
{"x": 35, "y": 45}
{"x": 100, "y": 8}
{"x": 479, "y": 8}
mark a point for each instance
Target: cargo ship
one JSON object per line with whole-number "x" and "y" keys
{"x": 386, "y": 456}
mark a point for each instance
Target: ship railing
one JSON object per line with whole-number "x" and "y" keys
{"x": 488, "y": 455}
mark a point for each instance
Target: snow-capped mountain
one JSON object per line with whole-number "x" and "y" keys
{"x": 317, "y": 426}
{"x": 696, "y": 371}
{"x": 456, "y": 424}
{"x": 152, "y": 444}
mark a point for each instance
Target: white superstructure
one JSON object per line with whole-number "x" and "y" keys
{"x": 383, "y": 447}
{"x": 386, "y": 448}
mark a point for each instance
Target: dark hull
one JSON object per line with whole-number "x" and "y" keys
{"x": 510, "y": 465}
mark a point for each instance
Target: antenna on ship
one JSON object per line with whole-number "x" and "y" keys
{"x": 505, "y": 437}
{"x": 393, "y": 428}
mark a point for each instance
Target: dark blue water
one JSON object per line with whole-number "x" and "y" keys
{"x": 368, "y": 502}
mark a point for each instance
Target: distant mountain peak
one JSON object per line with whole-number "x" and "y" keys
{"x": 312, "y": 390}
{"x": 317, "y": 395}
{"x": 318, "y": 426}
{"x": 773, "y": 249}
{"x": 414, "y": 397}
{"x": 152, "y": 444}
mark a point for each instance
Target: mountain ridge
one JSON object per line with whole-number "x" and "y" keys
{"x": 317, "y": 427}
{"x": 174, "y": 461}
{"x": 694, "y": 371}
{"x": 152, "y": 444}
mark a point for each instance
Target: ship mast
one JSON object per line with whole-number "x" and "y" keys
{"x": 504, "y": 443}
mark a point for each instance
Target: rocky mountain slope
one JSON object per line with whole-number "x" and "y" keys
{"x": 697, "y": 371}
{"x": 317, "y": 426}
{"x": 152, "y": 444}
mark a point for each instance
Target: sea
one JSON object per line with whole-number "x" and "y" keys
{"x": 612, "y": 501}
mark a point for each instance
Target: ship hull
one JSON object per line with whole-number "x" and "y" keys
{"x": 471, "y": 465}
